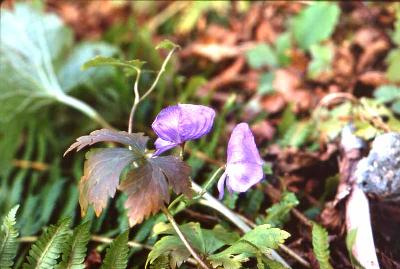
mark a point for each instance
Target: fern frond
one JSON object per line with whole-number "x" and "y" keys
{"x": 117, "y": 253}
{"x": 321, "y": 246}
{"x": 8, "y": 239}
{"x": 45, "y": 252}
{"x": 74, "y": 250}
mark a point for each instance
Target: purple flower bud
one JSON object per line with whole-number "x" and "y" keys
{"x": 177, "y": 124}
{"x": 244, "y": 164}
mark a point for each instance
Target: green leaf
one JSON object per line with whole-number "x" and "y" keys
{"x": 322, "y": 57}
{"x": 204, "y": 241}
{"x": 387, "y": 93}
{"x": 75, "y": 247}
{"x": 265, "y": 83}
{"x": 279, "y": 213}
{"x": 254, "y": 243}
{"x": 109, "y": 61}
{"x": 71, "y": 75}
{"x": 147, "y": 186}
{"x": 8, "y": 239}
{"x": 47, "y": 249}
{"x": 315, "y": 23}
{"x": 34, "y": 46}
{"x": 167, "y": 44}
{"x": 393, "y": 61}
{"x": 117, "y": 253}
{"x": 321, "y": 246}
{"x": 261, "y": 55}
{"x": 298, "y": 134}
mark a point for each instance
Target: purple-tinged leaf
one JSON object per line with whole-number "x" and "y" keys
{"x": 137, "y": 140}
{"x": 147, "y": 186}
{"x": 101, "y": 175}
{"x": 177, "y": 173}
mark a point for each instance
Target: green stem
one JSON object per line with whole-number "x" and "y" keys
{"x": 162, "y": 70}
{"x": 84, "y": 108}
{"x": 215, "y": 204}
{"x": 183, "y": 238}
{"x": 135, "y": 102}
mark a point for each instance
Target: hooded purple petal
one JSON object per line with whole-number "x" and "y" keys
{"x": 244, "y": 164}
{"x": 180, "y": 123}
{"x": 163, "y": 145}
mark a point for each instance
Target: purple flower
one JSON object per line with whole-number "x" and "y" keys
{"x": 244, "y": 164}
{"x": 177, "y": 124}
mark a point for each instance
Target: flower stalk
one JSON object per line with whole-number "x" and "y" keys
{"x": 183, "y": 239}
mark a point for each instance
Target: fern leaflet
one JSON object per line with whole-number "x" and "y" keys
{"x": 8, "y": 239}
{"x": 45, "y": 252}
{"x": 74, "y": 250}
{"x": 321, "y": 246}
{"x": 117, "y": 253}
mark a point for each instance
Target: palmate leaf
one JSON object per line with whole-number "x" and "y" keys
{"x": 254, "y": 243}
{"x": 321, "y": 246}
{"x": 147, "y": 186}
{"x": 74, "y": 251}
{"x": 146, "y": 182}
{"x": 204, "y": 241}
{"x": 47, "y": 249}
{"x": 8, "y": 239}
{"x": 117, "y": 253}
{"x": 101, "y": 174}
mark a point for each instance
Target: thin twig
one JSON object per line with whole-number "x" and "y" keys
{"x": 183, "y": 238}
{"x": 165, "y": 14}
{"x": 135, "y": 102}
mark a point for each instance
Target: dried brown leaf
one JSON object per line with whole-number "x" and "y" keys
{"x": 101, "y": 175}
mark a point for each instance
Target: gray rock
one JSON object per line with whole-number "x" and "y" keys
{"x": 379, "y": 172}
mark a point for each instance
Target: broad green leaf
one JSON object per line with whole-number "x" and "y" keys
{"x": 321, "y": 246}
{"x": 170, "y": 247}
{"x": 315, "y": 23}
{"x": 393, "y": 61}
{"x": 47, "y": 249}
{"x": 117, "y": 253}
{"x": 8, "y": 239}
{"x": 322, "y": 57}
{"x": 261, "y": 55}
{"x": 254, "y": 243}
{"x": 75, "y": 247}
{"x": 70, "y": 74}
{"x": 32, "y": 55}
{"x": 265, "y": 84}
{"x": 279, "y": 213}
{"x": 147, "y": 186}
{"x": 204, "y": 241}
{"x": 387, "y": 93}
{"x": 167, "y": 44}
